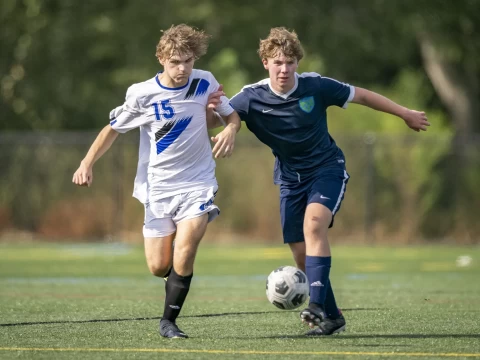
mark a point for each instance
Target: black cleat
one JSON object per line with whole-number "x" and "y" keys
{"x": 170, "y": 330}
{"x": 329, "y": 327}
{"x": 313, "y": 315}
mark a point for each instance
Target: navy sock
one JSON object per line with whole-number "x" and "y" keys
{"x": 318, "y": 270}
{"x": 330, "y": 304}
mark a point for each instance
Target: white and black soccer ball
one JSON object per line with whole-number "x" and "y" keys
{"x": 287, "y": 287}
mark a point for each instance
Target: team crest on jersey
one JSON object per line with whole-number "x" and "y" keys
{"x": 307, "y": 104}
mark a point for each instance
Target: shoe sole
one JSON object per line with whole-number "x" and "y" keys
{"x": 335, "y": 332}
{"x": 339, "y": 330}
{"x": 175, "y": 337}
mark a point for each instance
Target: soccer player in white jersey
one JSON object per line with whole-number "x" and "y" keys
{"x": 176, "y": 170}
{"x": 287, "y": 112}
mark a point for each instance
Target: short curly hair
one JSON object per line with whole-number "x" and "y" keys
{"x": 182, "y": 39}
{"x": 281, "y": 40}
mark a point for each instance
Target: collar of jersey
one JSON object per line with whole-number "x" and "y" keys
{"x": 168, "y": 88}
{"x": 288, "y": 93}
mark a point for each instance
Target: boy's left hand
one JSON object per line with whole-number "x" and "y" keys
{"x": 416, "y": 120}
{"x": 224, "y": 142}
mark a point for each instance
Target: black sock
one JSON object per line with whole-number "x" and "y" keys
{"x": 167, "y": 274}
{"x": 176, "y": 290}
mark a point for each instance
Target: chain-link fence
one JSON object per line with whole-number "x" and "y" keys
{"x": 402, "y": 189}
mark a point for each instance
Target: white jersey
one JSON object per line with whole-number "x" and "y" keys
{"x": 175, "y": 155}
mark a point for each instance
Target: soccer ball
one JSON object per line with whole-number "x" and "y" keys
{"x": 287, "y": 287}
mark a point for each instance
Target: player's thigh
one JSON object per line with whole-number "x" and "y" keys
{"x": 158, "y": 232}
{"x": 293, "y": 201}
{"x": 190, "y": 231}
{"x": 189, "y": 234}
{"x": 324, "y": 199}
{"x": 195, "y": 212}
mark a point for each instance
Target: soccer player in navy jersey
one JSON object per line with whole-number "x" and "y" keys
{"x": 287, "y": 112}
{"x": 176, "y": 171}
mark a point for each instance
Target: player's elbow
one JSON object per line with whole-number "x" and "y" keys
{"x": 361, "y": 96}
{"x": 110, "y": 131}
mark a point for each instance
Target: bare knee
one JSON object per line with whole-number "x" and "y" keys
{"x": 158, "y": 253}
{"x": 159, "y": 269}
{"x": 316, "y": 228}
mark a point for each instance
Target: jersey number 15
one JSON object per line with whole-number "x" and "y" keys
{"x": 164, "y": 109}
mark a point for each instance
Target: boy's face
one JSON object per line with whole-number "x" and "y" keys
{"x": 178, "y": 68}
{"x": 281, "y": 71}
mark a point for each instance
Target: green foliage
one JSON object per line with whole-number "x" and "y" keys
{"x": 65, "y": 63}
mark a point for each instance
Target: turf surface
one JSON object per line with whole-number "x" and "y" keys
{"x": 98, "y": 301}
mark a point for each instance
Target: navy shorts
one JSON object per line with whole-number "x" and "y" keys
{"x": 327, "y": 188}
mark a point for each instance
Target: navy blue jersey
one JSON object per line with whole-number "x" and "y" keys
{"x": 294, "y": 125}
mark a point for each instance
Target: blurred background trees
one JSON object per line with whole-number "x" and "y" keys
{"x": 65, "y": 64}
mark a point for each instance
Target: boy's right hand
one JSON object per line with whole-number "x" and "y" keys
{"x": 83, "y": 176}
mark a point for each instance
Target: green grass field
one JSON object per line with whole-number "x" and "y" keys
{"x": 98, "y": 301}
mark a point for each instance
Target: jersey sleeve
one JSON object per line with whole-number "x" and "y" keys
{"x": 129, "y": 115}
{"x": 334, "y": 92}
{"x": 240, "y": 103}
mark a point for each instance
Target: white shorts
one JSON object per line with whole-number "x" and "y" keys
{"x": 162, "y": 216}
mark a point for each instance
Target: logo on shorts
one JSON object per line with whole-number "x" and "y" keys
{"x": 307, "y": 104}
{"x": 206, "y": 205}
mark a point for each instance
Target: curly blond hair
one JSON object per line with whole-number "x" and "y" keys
{"x": 182, "y": 39}
{"x": 281, "y": 40}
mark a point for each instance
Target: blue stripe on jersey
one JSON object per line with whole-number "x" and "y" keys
{"x": 202, "y": 87}
{"x": 113, "y": 122}
{"x": 177, "y": 129}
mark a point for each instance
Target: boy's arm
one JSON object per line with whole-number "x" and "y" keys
{"x": 84, "y": 174}
{"x": 415, "y": 120}
{"x": 225, "y": 140}
{"x": 231, "y": 121}
{"x": 214, "y": 119}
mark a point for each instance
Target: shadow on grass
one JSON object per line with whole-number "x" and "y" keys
{"x": 159, "y": 317}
